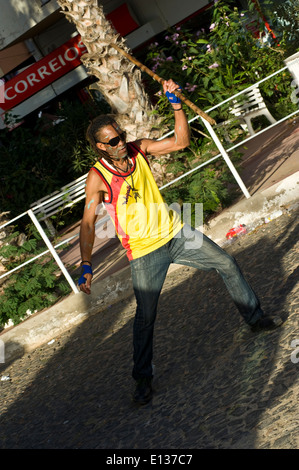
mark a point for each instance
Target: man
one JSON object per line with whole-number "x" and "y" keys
{"x": 152, "y": 234}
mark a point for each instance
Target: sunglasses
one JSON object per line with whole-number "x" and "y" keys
{"x": 115, "y": 141}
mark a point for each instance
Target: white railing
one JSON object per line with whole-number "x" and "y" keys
{"x": 222, "y": 152}
{"x": 208, "y": 111}
{"x": 51, "y": 249}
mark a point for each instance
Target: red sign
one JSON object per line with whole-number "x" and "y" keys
{"x": 39, "y": 75}
{"x": 122, "y": 20}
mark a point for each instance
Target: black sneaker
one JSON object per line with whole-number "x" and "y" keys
{"x": 267, "y": 323}
{"x": 143, "y": 391}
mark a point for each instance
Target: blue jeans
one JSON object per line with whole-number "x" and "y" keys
{"x": 190, "y": 248}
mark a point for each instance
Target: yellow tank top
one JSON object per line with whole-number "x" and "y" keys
{"x": 142, "y": 220}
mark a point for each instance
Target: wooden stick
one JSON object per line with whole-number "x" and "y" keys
{"x": 161, "y": 80}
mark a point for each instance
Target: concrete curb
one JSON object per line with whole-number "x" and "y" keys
{"x": 260, "y": 208}
{"x": 76, "y": 308}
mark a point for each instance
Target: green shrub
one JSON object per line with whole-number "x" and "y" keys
{"x": 36, "y": 286}
{"x": 212, "y": 65}
{"x": 37, "y": 160}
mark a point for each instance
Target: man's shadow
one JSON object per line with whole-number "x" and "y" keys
{"x": 214, "y": 379}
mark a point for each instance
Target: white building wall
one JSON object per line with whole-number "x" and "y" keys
{"x": 43, "y": 28}
{"x": 56, "y": 35}
{"x": 169, "y": 11}
{"x": 154, "y": 16}
{"x": 19, "y": 16}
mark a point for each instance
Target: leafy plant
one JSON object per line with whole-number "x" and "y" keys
{"x": 212, "y": 64}
{"x": 36, "y": 286}
{"x": 38, "y": 159}
{"x": 284, "y": 17}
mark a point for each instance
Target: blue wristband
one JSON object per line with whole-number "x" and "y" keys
{"x": 172, "y": 98}
{"x": 85, "y": 270}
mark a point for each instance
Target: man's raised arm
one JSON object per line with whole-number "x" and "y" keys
{"x": 181, "y": 137}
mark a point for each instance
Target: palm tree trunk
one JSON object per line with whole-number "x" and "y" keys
{"x": 119, "y": 80}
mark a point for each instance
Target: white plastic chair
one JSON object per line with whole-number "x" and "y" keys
{"x": 251, "y": 106}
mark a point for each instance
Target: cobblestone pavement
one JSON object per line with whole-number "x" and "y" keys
{"x": 217, "y": 384}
